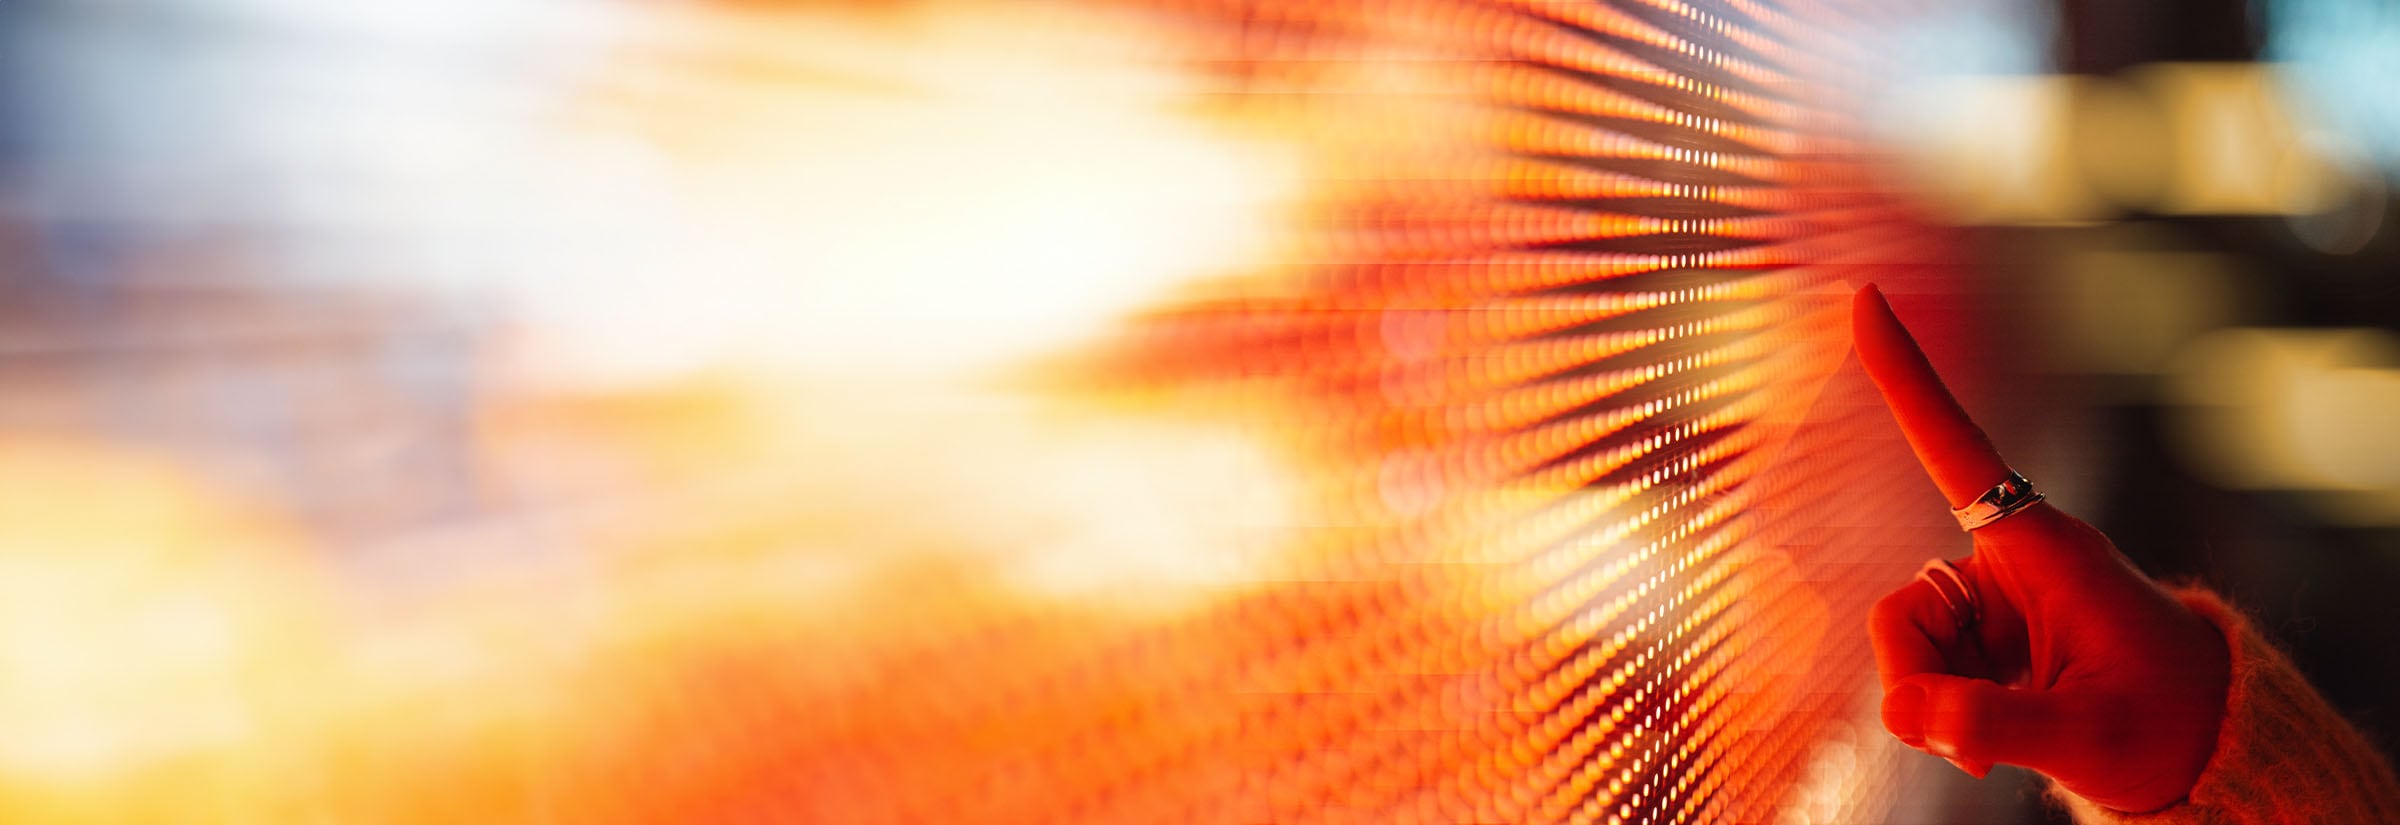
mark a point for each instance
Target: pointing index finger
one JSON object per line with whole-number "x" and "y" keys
{"x": 1954, "y": 451}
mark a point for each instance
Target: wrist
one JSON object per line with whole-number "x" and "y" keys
{"x": 2210, "y": 656}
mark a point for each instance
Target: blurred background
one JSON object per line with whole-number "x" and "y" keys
{"x": 1229, "y": 411}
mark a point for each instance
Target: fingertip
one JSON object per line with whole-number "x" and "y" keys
{"x": 1864, "y": 303}
{"x": 1875, "y": 326}
{"x": 1904, "y": 713}
{"x": 1969, "y": 767}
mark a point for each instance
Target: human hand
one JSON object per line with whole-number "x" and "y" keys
{"x": 2079, "y": 666}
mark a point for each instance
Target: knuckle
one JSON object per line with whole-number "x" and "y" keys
{"x": 1896, "y": 609}
{"x": 1887, "y": 609}
{"x": 2042, "y": 521}
{"x": 1972, "y": 712}
{"x": 1970, "y": 704}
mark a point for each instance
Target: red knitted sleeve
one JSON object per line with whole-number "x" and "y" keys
{"x": 2283, "y": 755}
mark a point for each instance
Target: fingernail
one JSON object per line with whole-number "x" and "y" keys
{"x": 1904, "y": 714}
{"x": 1947, "y": 751}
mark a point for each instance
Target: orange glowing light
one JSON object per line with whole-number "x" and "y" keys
{"x": 1209, "y": 410}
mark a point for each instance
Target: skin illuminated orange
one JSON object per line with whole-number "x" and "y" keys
{"x": 2080, "y": 668}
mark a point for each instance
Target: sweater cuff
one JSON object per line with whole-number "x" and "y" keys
{"x": 2283, "y": 754}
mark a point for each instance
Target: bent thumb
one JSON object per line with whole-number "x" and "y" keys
{"x": 1976, "y": 723}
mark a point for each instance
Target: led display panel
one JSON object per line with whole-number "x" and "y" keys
{"x": 1596, "y": 505}
{"x": 950, "y": 411}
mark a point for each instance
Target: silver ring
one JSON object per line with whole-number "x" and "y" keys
{"x": 1956, "y": 594}
{"x": 2012, "y": 494}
